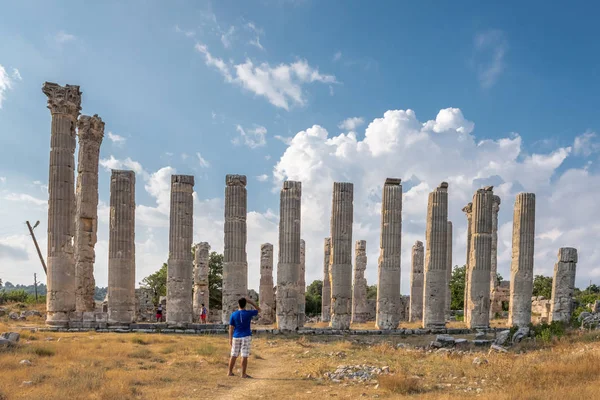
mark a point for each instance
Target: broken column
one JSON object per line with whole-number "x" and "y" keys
{"x": 235, "y": 261}
{"x": 468, "y": 210}
{"x": 121, "y": 248}
{"x": 436, "y": 262}
{"x": 521, "y": 266}
{"x": 416, "y": 282}
{"x": 448, "y": 270}
{"x": 64, "y": 103}
{"x": 342, "y": 209}
{"x": 266, "y": 296}
{"x": 90, "y": 132}
{"x": 289, "y": 255}
{"x": 326, "y": 290}
{"x": 201, "y": 271}
{"x": 180, "y": 264}
{"x": 563, "y": 285}
{"x": 302, "y": 285}
{"x": 494, "y": 263}
{"x": 360, "y": 310}
{"x": 389, "y": 309}
{"x": 478, "y": 295}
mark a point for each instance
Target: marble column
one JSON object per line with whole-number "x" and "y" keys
{"x": 288, "y": 266}
{"x": 416, "y": 282}
{"x": 201, "y": 271}
{"x": 235, "y": 261}
{"x": 302, "y": 285}
{"x": 494, "y": 263}
{"x": 436, "y": 262}
{"x": 64, "y": 103}
{"x": 121, "y": 249}
{"x": 360, "y": 310}
{"x": 326, "y": 290}
{"x": 180, "y": 281}
{"x": 342, "y": 209}
{"x": 389, "y": 310}
{"x": 521, "y": 266}
{"x": 90, "y": 132}
{"x": 448, "y": 271}
{"x": 468, "y": 210}
{"x": 563, "y": 285}
{"x": 478, "y": 296}
{"x": 266, "y": 296}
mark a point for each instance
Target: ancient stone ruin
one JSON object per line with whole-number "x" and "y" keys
{"x": 326, "y": 291}
{"x": 494, "y": 262}
{"x": 468, "y": 210}
{"x": 563, "y": 285}
{"x": 416, "y": 282}
{"x": 302, "y": 285}
{"x": 201, "y": 294}
{"x": 360, "y": 312}
{"x": 266, "y": 295}
{"x": 447, "y": 307}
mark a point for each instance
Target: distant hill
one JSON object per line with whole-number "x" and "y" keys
{"x": 99, "y": 295}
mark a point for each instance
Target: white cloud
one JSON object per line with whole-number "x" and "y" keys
{"x": 585, "y": 145}
{"x": 350, "y": 124}
{"x": 189, "y": 33}
{"x": 202, "y": 161}
{"x": 252, "y": 138}
{"x": 116, "y": 139}
{"x": 262, "y": 178}
{"x": 215, "y": 62}
{"x": 184, "y": 156}
{"x": 2, "y": 179}
{"x": 283, "y": 139}
{"x": 16, "y": 74}
{"x": 257, "y": 33}
{"x": 64, "y": 37}
{"x": 128, "y": 163}
{"x": 5, "y": 84}
{"x": 227, "y": 36}
{"x": 491, "y": 47}
{"x": 26, "y": 198}
{"x": 337, "y": 56}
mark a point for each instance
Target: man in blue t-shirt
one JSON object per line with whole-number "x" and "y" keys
{"x": 240, "y": 334}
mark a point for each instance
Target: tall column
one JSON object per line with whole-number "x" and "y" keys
{"x": 360, "y": 312}
{"x": 342, "y": 210}
{"x": 201, "y": 271}
{"x": 180, "y": 264}
{"x": 416, "y": 282}
{"x": 288, "y": 265}
{"x": 121, "y": 248}
{"x": 494, "y": 263}
{"x": 563, "y": 285}
{"x": 478, "y": 296}
{"x": 235, "y": 261}
{"x": 436, "y": 263}
{"x": 389, "y": 310}
{"x": 64, "y": 103}
{"x": 448, "y": 270}
{"x": 521, "y": 266}
{"x": 302, "y": 285}
{"x": 468, "y": 210}
{"x": 91, "y": 132}
{"x": 326, "y": 290}
{"x": 266, "y": 295}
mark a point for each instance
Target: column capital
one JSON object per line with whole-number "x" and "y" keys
{"x": 468, "y": 209}
{"x": 63, "y": 99}
{"x": 90, "y": 128}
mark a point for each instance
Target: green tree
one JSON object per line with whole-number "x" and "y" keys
{"x": 157, "y": 282}
{"x": 215, "y": 280}
{"x": 457, "y": 288}
{"x": 313, "y": 298}
{"x": 372, "y": 292}
{"x": 542, "y": 286}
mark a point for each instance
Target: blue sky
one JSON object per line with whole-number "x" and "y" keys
{"x": 502, "y": 94}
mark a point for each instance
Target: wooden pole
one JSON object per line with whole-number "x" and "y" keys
{"x": 37, "y": 247}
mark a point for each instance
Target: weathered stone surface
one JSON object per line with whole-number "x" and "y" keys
{"x": 494, "y": 262}
{"x": 12, "y": 336}
{"x": 388, "y": 284}
{"x": 521, "y": 267}
{"x": 499, "y": 299}
{"x": 563, "y": 285}
{"x": 447, "y": 307}
{"x": 326, "y": 291}
{"x": 235, "y": 261}
{"x": 468, "y": 210}
{"x": 267, "y": 296}
{"x": 121, "y": 248}
{"x": 416, "y": 282}
{"x": 360, "y": 309}
{"x": 90, "y": 132}
{"x": 64, "y": 103}
{"x": 201, "y": 270}
{"x": 302, "y": 285}
{"x": 180, "y": 264}
{"x": 342, "y": 209}
{"x": 288, "y": 266}
{"x": 436, "y": 262}
{"x": 478, "y": 296}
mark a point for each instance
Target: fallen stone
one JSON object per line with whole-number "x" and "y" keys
{"x": 25, "y": 362}
{"x": 31, "y": 313}
{"x": 502, "y": 337}
{"x": 27, "y": 383}
{"x": 479, "y": 334}
{"x": 6, "y": 343}
{"x": 13, "y": 315}
{"x": 498, "y": 348}
{"x": 479, "y": 361}
{"x": 520, "y": 334}
{"x": 445, "y": 340}
{"x": 436, "y": 344}
{"x": 12, "y": 336}
{"x": 3, "y": 311}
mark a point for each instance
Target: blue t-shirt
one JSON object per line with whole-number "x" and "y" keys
{"x": 240, "y": 320}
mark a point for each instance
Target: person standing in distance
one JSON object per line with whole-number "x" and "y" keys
{"x": 240, "y": 334}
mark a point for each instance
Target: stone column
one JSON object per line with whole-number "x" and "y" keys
{"x": 416, "y": 282}
{"x": 478, "y": 295}
{"x": 360, "y": 312}
{"x": 64, "y": 103}
{"x": 563, "y": 285}
{"x": 180, "y": 281}
{"x": 436, "y": 263}
{"x": 326, "y": 290}
{"x": 266, "y": 297}
{"x": 302, "y": 285}
{"x": 342, "y": 210}
{"x": 201, "y": 271}
{"x": 494, "y": 263}
{"x": 91, "y": 132}
{"x": 289, "y": 255}
{"x": 235, "y": 261}
{"x": 468, "y": 210}
{"x": 121, "y": 248}
{"x": 448, "y": 270}
{"x": 389, "y": 309}
{"x": 521, "y": 266}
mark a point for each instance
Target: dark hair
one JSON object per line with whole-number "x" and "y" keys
{"x": 202, "y": 304}
{"x": 242, "y": 302}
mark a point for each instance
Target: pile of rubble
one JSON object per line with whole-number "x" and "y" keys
{"x": 22, "y": 316}
{"x": 500, "y": 343}
{"x": 360, "y": 373}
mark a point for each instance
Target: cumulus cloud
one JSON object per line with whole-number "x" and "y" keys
{"x": 116, "y": 139}
{"x": 128, "y": 163}
{"x": 350, "y": 124}
{"x": 585, "y": 144}
{"x": 26, "y": 198}
{"x": 253, "y": 138}
{"x": 491, "y": 47}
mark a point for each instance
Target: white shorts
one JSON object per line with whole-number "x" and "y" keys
{"x": 241, "y": 345}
